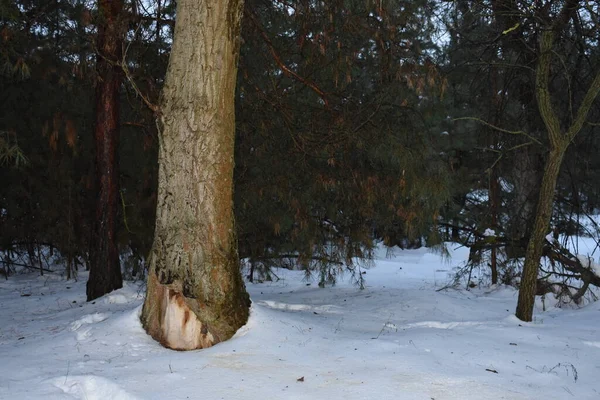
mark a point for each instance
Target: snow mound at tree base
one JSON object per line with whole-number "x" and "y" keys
{"x": 91, "y": 387}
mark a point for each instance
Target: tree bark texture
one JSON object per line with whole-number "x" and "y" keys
{"x": 536, "y": 241}
{"x": 105, "y": 268}
{"x": 527, "y": 172}
{"x": 196, "y": 296}
{"x": 559, "y": 142}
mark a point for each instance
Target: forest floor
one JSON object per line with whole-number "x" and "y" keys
{"x": 398, "y": 338}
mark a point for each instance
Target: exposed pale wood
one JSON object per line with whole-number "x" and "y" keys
{"x": 196, "y": 296}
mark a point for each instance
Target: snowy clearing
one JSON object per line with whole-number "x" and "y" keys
{"x": 397, "y": 339}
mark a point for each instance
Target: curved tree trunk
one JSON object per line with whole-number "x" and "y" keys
{"x": 536, "y": 241}
{"x": 559, "y": 142}
{"x": 105, "y": 268}
{"x": 196, "y": 296}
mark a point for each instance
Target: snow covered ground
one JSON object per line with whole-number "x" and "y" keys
{"x": 397, "y": 339}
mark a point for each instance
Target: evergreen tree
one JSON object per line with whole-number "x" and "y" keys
{"x": 105, "y": 266}
{"x": 336, "y": 144}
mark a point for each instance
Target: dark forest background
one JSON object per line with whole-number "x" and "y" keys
{"x": 410, "y": 123}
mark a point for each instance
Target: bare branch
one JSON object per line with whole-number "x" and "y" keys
{"x": 481, "y": 121}
{"x": 286, "y": 70}
{"x": 543, "y": 92}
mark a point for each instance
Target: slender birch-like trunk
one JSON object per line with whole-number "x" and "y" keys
{"x": 559, "y": 142}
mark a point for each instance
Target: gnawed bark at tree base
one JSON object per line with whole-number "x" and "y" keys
{"x": 169, "y": 317}
{"x": 194, "y": 299}
{"x": 196, "y": 296}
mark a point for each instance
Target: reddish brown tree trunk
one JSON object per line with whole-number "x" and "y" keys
{"x": 105, "y": 268}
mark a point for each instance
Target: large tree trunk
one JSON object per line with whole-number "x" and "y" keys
{"x": 536, "y": 241}
{"x": 196, "y": 296}
{"x": 105, "y": 268}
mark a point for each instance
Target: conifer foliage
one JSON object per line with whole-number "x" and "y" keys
{"x": 513, "y": 103}
{"x": 357, "y": 122}
{"x": 336, "y": 131}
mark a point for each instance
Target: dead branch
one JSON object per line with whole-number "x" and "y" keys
{"x": 286, "y": 70}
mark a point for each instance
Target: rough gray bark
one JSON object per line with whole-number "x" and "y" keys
{"x": 196, "y": 296}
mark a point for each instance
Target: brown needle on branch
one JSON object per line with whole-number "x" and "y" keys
{"x": 286, "y": 70}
